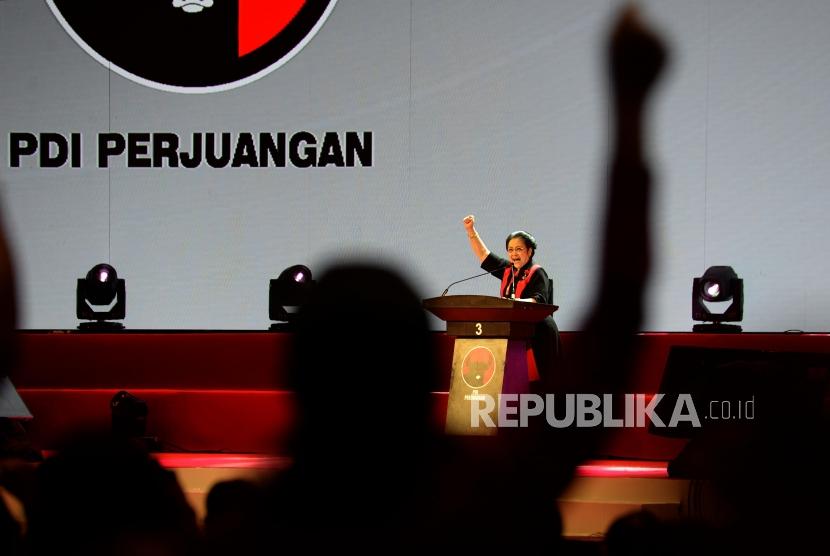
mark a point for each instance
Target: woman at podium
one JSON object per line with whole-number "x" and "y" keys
{"x": 522, "y": 280}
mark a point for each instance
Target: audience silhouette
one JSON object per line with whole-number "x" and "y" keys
{"x": 362, "y": 367}
{"x": 8, "y": 305}
{"x": 12, "y": 440}
{"x": 106, "y": 495}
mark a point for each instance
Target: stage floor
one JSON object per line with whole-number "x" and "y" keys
{"x": 602, "y": 490}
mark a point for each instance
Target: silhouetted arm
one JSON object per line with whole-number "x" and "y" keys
{"x": 600, "y": 359}
{"x": 8, "y": 306}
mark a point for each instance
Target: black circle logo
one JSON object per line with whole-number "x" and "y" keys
{"x": 192, "y": 46}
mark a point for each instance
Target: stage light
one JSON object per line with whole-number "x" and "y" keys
{"x": 291, "y": 289}
{"x": 129, "y": 415}
{"x": 129, "y": 420}
{"x": 101, "y": 298}
{"x": 719, "y": 285}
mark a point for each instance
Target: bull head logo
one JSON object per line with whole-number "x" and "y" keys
{"x": 192, "y": 6}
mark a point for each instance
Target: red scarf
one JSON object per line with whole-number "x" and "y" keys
{"x": 521, "y": 284}
{"x": 532, "y": 369}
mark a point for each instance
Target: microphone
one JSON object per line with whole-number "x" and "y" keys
{"x": 502, "y": 267}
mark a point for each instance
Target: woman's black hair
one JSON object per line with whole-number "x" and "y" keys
{"x": 530, "y": 241}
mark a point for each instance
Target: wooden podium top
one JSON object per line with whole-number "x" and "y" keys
{"x": 486, "y": 308}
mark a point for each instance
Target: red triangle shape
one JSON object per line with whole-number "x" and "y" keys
{"x": 262, "y": 20}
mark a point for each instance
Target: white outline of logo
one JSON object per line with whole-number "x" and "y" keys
{"x": 192, "y": 6}
{"x": 191, "y": 90}
{"x": 463, "y": 361}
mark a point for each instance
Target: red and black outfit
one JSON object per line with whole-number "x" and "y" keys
{"x": 531, "y": 281}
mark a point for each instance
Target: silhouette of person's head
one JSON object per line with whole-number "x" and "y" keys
{"x": 363, "y": 363}
{"x": 362, "y": 369}
{"x": 104, "y": 495}
{"x": 228, "y": 527}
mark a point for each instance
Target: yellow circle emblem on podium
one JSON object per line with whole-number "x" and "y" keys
{"x": 478, "y": 367}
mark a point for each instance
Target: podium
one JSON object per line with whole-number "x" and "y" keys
{"x": 489, "y": 356}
